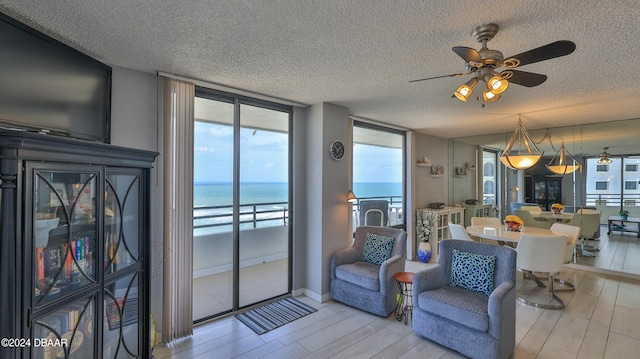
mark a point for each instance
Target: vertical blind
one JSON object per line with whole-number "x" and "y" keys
{"x": 178, "y": 105}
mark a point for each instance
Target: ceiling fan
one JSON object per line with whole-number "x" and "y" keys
{"x": 484, "y": 63}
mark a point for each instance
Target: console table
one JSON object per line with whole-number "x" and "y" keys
{"x": 621, "y": 228}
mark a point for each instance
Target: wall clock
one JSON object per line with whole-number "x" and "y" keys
{"x": 336, "y": 150}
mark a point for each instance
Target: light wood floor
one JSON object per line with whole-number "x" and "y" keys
{"x": 618, "y": 252}
{"x": 601, "y": 320}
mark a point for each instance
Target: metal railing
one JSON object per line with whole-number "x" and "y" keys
{"x": 599, "y": 199}
{"x": 253, "y": 213}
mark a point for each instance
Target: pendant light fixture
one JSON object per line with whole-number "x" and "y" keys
{"x": 561, "y": 163}
{"x": 525, "y": 154}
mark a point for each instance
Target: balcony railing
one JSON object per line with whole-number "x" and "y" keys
{"x": 216, "y": 219}
{"x": 253, "y": 215}
{"x": 599, "y": 199}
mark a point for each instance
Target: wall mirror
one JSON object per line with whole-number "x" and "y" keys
{"x": 489, "y": 181}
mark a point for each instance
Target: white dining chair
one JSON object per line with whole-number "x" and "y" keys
{"x": 540, "y": 254}
{"x": 534, "y": 209}
{"x": 573, "y": 233}
{"x": 457, "y": 231}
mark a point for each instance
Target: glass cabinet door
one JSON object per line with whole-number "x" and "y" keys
{"x": 122, "y": 221}
{"x": 68, "y": 332}
{"x": 121, "y": 311}
{"x": 64, "y": 233}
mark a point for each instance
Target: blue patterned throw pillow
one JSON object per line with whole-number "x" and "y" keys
{"x": 377, "y": 249}
{"x": 473, "y": 272}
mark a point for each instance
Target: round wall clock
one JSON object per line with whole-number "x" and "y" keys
{"x": 336, "y": 150}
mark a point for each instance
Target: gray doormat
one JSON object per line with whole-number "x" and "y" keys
{"x": 274, "y": 315}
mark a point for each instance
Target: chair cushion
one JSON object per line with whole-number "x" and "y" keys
{"x": 473, "y": 271}
{"x": 377, "y": 248}
{"x": 460, "y": 305}
{"x": 362, "y": 274}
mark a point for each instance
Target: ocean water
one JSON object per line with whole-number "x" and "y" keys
{"x": 215, "y": 220}
{"x": 221, "y": 194}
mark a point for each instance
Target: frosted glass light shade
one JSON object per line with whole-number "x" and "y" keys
{"x": 521, "y": 152}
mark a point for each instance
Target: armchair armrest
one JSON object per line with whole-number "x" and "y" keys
{"x": 502, "y": 302}
{"x": 427, "y": 279}
{"x": 498, "y": 294}
{"x": 346, "y": 255}
{"x": 388, "y": 269}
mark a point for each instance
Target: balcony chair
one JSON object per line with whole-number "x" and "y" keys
{"x": 457, "y": 231}
{"x": 589, "y": 223}
{"x": 463, "y": 304}
{"x": 540, "y": 254}
{"x": 362, "y": 275}
{"x": 374, "y": 213}
{"x": 530, "y": 221}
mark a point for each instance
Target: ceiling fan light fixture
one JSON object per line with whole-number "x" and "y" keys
{"x": 464, "y": 91}
{"x": 489, "y": 96}
{"x": 497, "y": 84}
{"x": 604, "y": 157}
{"x": 562, "y": 163}
{"x": 525, "y": 155}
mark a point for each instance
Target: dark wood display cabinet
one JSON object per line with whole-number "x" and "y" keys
{"x": 74, "y": 256}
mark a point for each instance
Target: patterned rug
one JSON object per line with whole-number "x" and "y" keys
{"x": 274, "y": 315}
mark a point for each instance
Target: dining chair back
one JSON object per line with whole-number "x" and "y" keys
{"x": 486, "y": 221}
{"x": 573, "y": 233}
{"x": 534, "y": 209}
{"x": 540, "y": 254}
{"x": 457, "y": 231}
{"x": 530, "y": 221}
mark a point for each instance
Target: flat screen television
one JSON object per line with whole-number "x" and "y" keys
{"x": 49, "y": 87}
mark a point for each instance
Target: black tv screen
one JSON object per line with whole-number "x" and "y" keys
{"x": 49, "y": 87}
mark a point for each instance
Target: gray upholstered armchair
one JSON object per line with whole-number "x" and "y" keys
{"x": 357, "y": 280}
{"x": 455, "y": 305}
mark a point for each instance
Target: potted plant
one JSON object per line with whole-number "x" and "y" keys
{"x": 424, "y": 229}
{"x": 624, "y": 213}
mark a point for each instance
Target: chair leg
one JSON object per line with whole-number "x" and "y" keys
{"x": 585, "y": 250}
{"x": 560, "y": 303}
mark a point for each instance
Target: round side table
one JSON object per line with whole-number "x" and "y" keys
{"x": 404, "y": 301}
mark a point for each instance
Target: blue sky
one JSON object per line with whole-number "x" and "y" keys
{"x": 264, "y": 157}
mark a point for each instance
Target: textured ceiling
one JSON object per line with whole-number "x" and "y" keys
{"x": 362, "y": 54}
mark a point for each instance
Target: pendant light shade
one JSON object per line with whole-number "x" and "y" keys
{"x": 561, "y": 163}
{"x": 497, "y": 84}
{"x": 521, "y": 152}
{"x": 464, "y": 91}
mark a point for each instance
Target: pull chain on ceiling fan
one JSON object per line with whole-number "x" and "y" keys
{"x": 483, "y": 64}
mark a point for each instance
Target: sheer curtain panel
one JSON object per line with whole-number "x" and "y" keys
{"x": 178, "y": 100}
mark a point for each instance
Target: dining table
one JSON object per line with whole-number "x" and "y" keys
{"x": 500, "y": 233}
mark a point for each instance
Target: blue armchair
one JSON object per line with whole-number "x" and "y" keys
{"x": 364, "y": 285}
{"x": 474, "y": 324}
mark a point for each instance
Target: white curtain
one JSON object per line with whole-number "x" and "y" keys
{"x": 178, "y": 99}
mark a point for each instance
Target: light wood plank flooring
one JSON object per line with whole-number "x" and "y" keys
{"x": 601, "y": 320}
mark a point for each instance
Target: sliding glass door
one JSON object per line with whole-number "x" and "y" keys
{"x": 241, "y": 200}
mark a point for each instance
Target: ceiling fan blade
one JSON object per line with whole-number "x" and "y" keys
{"x": 523, "y": 78}
{"x": 439, "y": 77}
{"x": 468, "y": 54}
{"x": 546, "y": 52}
